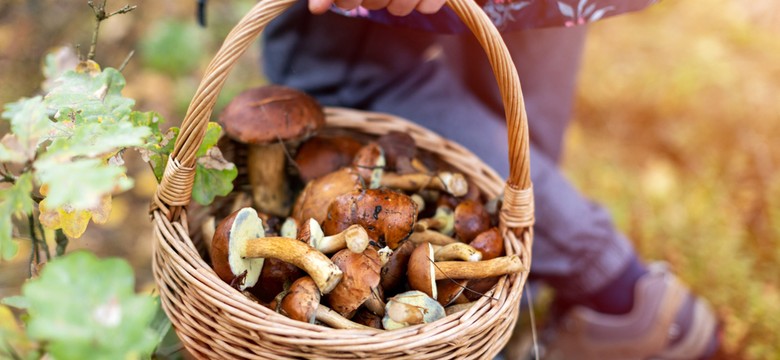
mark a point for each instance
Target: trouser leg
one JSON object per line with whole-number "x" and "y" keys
{"x": 359, "y": 64}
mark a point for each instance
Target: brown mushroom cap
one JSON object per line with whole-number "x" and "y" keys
{"x": 388, "y": 216}
{"x": 421, "y": 273}
{"x": 489, "y": 243}
{"x": 318, "y": 194}
{"x": 302, "y": 300}
{"x": 400, "y": 149}
{"x": 394, "y": 271}
{"x": 275, "y": 274}
{"x": 370, "y": 163}
{"x": 321, "y": 155}
{"x": 266, "y": 114}
{"x": 231, "y": 233}
{"x": 360, "y": 279}
{"x": 471, "y": 219}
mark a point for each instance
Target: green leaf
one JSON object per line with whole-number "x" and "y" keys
{"x": 83, "y": 307}
{"x": 19, "y": 302}
{"x": 157, "y": 154}
{"x": 92, "y": 139}
{"x": 30, "y": 125}
{"x": 81, "y": 183}
{"x": 98, "y": 97}
{"x": 212, "y": 180}
{"x": 14, "y": 200}
{"x": 213, "y": 131}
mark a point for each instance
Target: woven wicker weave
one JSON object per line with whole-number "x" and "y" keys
{"x": 214, "y": 321}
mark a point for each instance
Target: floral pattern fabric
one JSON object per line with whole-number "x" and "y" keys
{"x": 510, "y": 15}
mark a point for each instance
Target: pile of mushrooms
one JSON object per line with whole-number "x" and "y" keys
{"x": 351, "y": 232}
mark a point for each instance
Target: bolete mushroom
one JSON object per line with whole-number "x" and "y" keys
{"x": 321, "y": 155}
{"x": 313, "y": 201}
{"x": 239, "y": 249}
{"x": 443, "y": 221}
{"x": 453, "y": 183}
{"x": 359, "y": 284}
{"x": 302, "y": 303}
{"x": 388, "y": 216}
{"x": 471, "y": 219}
{"x": 370, "y": 163}
{"x": 266, "y": 118}
{"x": 411, "y": 308}
{"x": 355, "y": 238}
{"x": 422, "y": 272}
{"x": 400, "y": 152}
{"x": 394, "y": 270}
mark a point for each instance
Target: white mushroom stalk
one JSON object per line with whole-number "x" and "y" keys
{"x": 355, "y": 238}
{"x": 456, "y": 251}
{"x": 443, "y": 221}
{"x": 453, "y": 183}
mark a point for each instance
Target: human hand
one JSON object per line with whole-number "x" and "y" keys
{"x": 395, "y": 7}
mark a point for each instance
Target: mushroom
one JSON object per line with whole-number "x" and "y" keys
{"x": 370, "y": 163}
{"x": 457, "y": 251}
{"x": 359, "y": 284}
{"x": 411, "y": 308}
{"x": 302, "y": 303}
{"x": 388, "y": 216}
{"x": 431, "y": 236}
{"x": 471, "y": 219}
{"x": 367, "y": 318}
{"x": 276, "y": 274}
{"x": 491, "y": 245}
{"x": 443, "y": 221}
{"x": 355, "y": 238}
{"x": 394, "y": 270}
{"x": 453, "y": 183}
{"x": 321, "y": 155}
{"x": 422, "y": 272}
{"x": 239, "y": 249}
{"x": 313, "y": 201}
{"x": 401, "y": 153}
{"x": 266, "y": 118}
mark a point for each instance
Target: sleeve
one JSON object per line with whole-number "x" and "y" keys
{"x": 510, "y": 15}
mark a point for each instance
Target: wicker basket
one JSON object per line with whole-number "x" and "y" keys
{"x": 214, "y": 321}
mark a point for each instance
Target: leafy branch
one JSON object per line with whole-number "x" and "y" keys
{"x": 100, "y": 16}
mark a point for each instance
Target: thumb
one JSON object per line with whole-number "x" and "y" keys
{"x": 319, "y": 6}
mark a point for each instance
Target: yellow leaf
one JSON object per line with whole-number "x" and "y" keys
{"x": 102, "y": 211}
{"x": 74, "y": 222}
{"x": 88, "y": 67}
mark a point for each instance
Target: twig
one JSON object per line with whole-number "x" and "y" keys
{"x": 100, "y": 16}
{"x": 127, "y": 60}
{"x": 34, "y": 256}
{"x": 62, "y": 242}
{"x": 45, "y": 244}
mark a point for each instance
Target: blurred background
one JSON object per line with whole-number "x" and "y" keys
{"x": 674, "y": 130}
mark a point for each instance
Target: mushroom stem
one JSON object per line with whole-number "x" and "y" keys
{"x": 331, "y": 318}
{"x": 443, "y": 221}
{"x": 432, "y": 237}
{"x": 324, "y": 273}
{"x": 270, "y": 191}
{"x": 453, "y": 183}
{"x": 457, "y": 251}
{"x": 478, "y": 269}
{"x": 355, "y": 238}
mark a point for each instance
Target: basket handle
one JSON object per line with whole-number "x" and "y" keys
{"x": 175, "y": 189}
